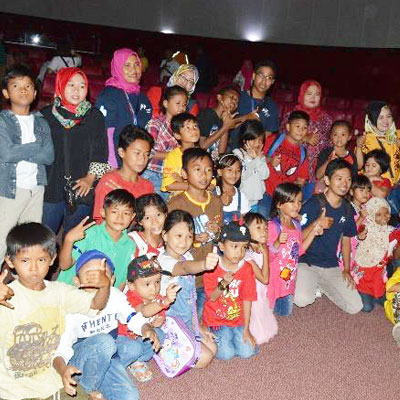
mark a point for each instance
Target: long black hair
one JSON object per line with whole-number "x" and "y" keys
{"x": 284, "y": 193}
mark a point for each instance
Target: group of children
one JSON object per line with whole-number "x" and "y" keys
{"x": 221, "y": 241}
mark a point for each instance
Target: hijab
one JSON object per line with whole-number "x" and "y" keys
{"x": 314, "y": 113}
{"x": 181, "y": 70}
{"x": 66, "y": 113}
{"x": 371, "y": 119}
{"x": 117, "y": 74}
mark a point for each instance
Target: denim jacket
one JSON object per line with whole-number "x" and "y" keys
{"x": 40, "y": 152}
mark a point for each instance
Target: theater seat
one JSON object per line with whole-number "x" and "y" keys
{"x": 359, "y": 121}
{"x": 94, "y": 90}
{"x": 359, "y": 104}
{"x": 338, "y": 114}
{"x": 203, "y": 99}
{"x": 337, "y": 102}
{"x": 283, "y": 96}
{"x": 48, "y": 85}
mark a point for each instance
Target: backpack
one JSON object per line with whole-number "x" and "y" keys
{"x": 278, "y": 141}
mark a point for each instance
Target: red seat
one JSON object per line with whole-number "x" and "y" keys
{"x": 359, "y": 121}
{"x": 359, "y": 104}
{"x": 283, "y": 96}
{"x": 48, "y": 85}
{"x": 92, "y": 69}
{"x": 337, "y": 114}
{"x": 337, "y": 102}
{"x": 94, "y": 90}
{"x": 203, "y": 99}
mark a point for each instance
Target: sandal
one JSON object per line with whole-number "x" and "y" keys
{"x": 140, "y": 371}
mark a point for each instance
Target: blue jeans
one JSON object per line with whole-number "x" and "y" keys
{"x": 369, "y": 301}
{"x": 56, "y": 213}
{"x": 201, "y": 299}
{"x": 264, "y": 205}
{"x": 131, "y": 350}
{"x": 230, "y": 343}
{"x": 284, "y": 306}
{"x": 155, "y": 178}
{"x": 96, "y": 357}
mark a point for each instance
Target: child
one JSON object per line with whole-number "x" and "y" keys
{"x": 376, "y": 163}
{"x": 89, "y": 348}
{"x": 287, "y": 156}
{"x": 151, "y": 212}
{"x": 178, "y": 236}
{"x": 230, "y": 290}
{"x": 254, "y": 164}
{"x": 25, "y": 148}
{"x": 33, "y": 312}
{"x": 110, "y": 237}
{"x": 187, "y": 133}
{"x": 134, "y": 149}
{"x": 216, "y": 123}
{"x": 318, "y": 267}
{"x": 392, "y": 304}
{"x": 144, "y": 277}
{"x": 263, "y": 323}
{"x": 235, "y": 203}
{"x": 174, "y": 102}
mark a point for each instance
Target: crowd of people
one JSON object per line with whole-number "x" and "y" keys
{"x": 177, "y": 223}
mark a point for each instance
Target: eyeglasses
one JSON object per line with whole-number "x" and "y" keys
{"x": 191, "y": 82}
{"x": 268, "y": 78}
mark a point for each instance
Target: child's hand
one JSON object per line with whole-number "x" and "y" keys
{"x": 283, "y": 237}
{"x": 206, "y": 333}
{"x": 78, "y": 232}
{"x": 177, "y": 178}
{"x": 84, "y": 185}
{"x": 212, "y": 226}
{"x": 360, "y": 140}
{"x": 211, "y": 261}
{"x": 70, "y": 383}
{"x": 5, "y": 292}
{"x": 201, "y": 237}
{"x": 113, "y": 185}
{"x": 363, "y": 234}
{"x": 348, "y": 279}
{"x": 324, "y": 221}
{"x": 312, "y": 137}
{"x": 157, "y": 321}
{"x": 211, "y": 187}
{"x": 171, "y": 292}
{"x": 150, "y": 333}
{"x": 318, "y": 230}
{"x": 248, "y": 337}
{"x": 276, "y": 160}
{"x": 98, "y": 278}
{"x": 226, "y": 199}
{"x": 364, "y": 213}
{"x": 228, "y": 277}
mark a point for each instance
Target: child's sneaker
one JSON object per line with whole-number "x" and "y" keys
{"x": 396, "y": 333}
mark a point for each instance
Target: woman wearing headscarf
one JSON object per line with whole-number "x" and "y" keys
{"x": 186, "y": 76}
{"x": 245, "y": 75}
{"x": 80, "y": 146}
{"x": 120, "y": 101}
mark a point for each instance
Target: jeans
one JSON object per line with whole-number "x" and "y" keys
{"x": 131, "y": 350}
{"x": 155, "y": 178}
{"x": 102, "y": 369}
{"x": 230, "y": 343}
{"x": 369, "y": 301}
{"x": 284, "y": 306}
{"x": 201, "y": 299}
{"x": 56, "y": 213}
{"x": 264, "y": 205}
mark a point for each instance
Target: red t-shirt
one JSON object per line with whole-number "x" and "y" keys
{"x": 290, "y": 158}
{"x": 139, "y": 188}
{"x": 227, "y": 310}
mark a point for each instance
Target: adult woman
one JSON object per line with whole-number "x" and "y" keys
{"x": 80, "y": 146}
{"x": 186, "y": 76}
{"x": 121, "y": 101}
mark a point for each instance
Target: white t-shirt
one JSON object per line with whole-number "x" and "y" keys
{"x": 26, "y": 171}
{"x": 244, "y": 203}
{"x": 59, "y": 62}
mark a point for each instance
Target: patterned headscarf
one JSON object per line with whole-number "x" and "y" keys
{"x": 182, "y": 69}
{"x": 371, "y": 118}
{"x": 314, "y": 113}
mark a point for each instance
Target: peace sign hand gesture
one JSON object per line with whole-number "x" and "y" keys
{"x": 78, "y": 232}
{"x": 5, "y": 292}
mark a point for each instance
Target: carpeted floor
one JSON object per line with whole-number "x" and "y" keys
{"x": 320, "y": 353}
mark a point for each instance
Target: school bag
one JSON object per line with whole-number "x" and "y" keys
{"x": 278, "y": 141}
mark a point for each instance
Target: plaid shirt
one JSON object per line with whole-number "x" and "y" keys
{"x": 164, "y": 140}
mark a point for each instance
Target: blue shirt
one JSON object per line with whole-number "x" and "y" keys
{"x": 323, "y": 249}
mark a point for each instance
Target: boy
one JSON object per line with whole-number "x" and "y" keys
{"x": 90, "y": 347}
{"x": 110, "y": 237}
{"x": 230, "y": 290}
{"x": 134, "y": 149}
{"x": 25, "y": 148}
{"x": 33, "y": 319}
{"x": 318, "y": 267}
{"x": 216, "y": 123}
{"x": 186, "y": 131}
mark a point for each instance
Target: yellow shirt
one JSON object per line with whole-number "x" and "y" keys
{"x": 29, "y": 336}
{"x": 172, "y": 165}
{"x": 390, "y": 295}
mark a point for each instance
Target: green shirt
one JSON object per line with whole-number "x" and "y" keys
{"x": 97, "y": 238}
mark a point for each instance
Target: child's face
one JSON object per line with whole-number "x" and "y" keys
{"x": 263, "y": 79}
{"x": 32, "y": 265}
{"x": 231, "y": 175}
{"x": 178, "y": 239}
{"x": 385, "y": 120}
{"x": 340, "y": 182}
{"x": 233, "y": 251}
{"x": 20, "y": 91}
{"x": 186, "y": 80}
{"x": 147, "y": 288}
{"x": 118, "y": 217}
{"x": 340, "y": 136}
{"x": 258, "y": 231}
{"x": 293, "y": 207}
{"x": 199, "y": 173}
{"x": 153, "y": 220}
{"x": 256, "y": 144}
{"x": 176, "y": 104}
{"x": 132, "y": 70}
{"x": 229, "y": 100}
{"x": 83, "y": 276}
{"x": 297, "y": 129}
{"x": 312, "y": 97}
{"x": 136, "y": 156}
{"x": 382, "y": 217}
{"x": 76, "y": 90}
{"x": 189, "y": 133}
{"x": 361, "y": 195}
{"x": 372, "y": 168}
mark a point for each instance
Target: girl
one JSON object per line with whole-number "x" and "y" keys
{"x": 235, "y": 203}
{"x": 286, "y": 245}
{"x": 178, "y": 237}
{"x": 263, "y": 324}
{"x": 254, "y": 165}
{"x": 376, "y": 164}
{"x": 174, "y": 103}
{"x": 151, "y": 212}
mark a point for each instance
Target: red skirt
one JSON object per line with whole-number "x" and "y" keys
{"x": 373, "y": 280}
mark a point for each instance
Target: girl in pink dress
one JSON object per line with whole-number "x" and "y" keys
{"x": 263, "y": 324}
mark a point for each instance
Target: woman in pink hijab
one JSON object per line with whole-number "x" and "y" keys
{"x": 120, "y": 101}
{"x": 245, "y": 75}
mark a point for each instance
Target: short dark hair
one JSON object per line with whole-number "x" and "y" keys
{"x": 266, "y": 63}
{"x": 152, "y": 199}
{"x": 194, "y": 153}
{"x": 132, "y": 133}
{"x": 229, "y": 88}
{"x": 283, "y": 193}
{"x": 177, "y": 216}
{"x": 298, "y": 114}
{"x": 120, "y": 197}
{"x": 28, "y": 235}
{"x": 335, "y": 165}
{"x": 179, "y": 120}
{"x": 361, "y": 182}
{"x": 381, "y": 157}
{"x": 341, "y": 122}
{"x": 250, "y": 217}
{"x": 18, "y": 71}
{"x": 171, "y": 92}
{"x": 250, "y": 130}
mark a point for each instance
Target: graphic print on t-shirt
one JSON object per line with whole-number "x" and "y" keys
{"x": 231, "y": 307}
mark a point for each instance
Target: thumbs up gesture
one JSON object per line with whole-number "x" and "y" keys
{"x": 323, "y": 221}
{"x": 5, "y": 292}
